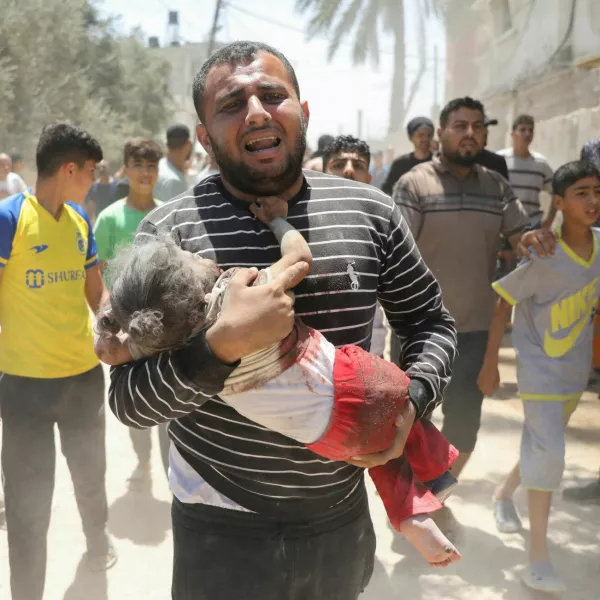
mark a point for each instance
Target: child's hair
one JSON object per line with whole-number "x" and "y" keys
{"x": 157, "y": 296}
{"x": 141, "y": 148}
{"x": 570, "y": 173}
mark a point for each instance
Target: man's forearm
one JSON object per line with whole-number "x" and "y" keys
{"x": 168, "y": 386}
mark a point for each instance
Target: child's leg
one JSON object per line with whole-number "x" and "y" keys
{"x": 429, "y": 453}
{"x": 505, "y": 512}
{"x": 407, "y": 503}
{"x": 509, "y": 486}
{"x": 542, "y": 465}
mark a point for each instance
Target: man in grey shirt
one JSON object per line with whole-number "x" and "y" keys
{"x": 171, "y": 168}
{"x": 456, "y": 211}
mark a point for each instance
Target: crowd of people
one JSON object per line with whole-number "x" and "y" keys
{"x": 285, "y": 320}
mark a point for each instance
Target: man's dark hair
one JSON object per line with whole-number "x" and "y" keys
{"x": 141, "y": 148}
{"x": 62, "y": 143}
{"x": 15, "y": 158}
{"x": 346, "y": 143}
{"x": 177, "y": 136}
{"x": 457, "y": 104}
{"x": 523, "y": 120}
{"x": 570, "y": 173}
{"x": 236, "y": 53}
{"x": 591, "y": 152}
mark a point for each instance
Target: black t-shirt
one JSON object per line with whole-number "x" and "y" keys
{"x": 403, "y": 164}
{"x": 494, "y": 162}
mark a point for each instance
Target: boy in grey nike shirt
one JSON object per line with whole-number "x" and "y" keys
{"x": 555, "y": 299}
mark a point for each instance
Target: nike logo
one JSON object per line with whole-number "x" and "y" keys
{"x": 556, "y": 348}
{"x": 39, "y": 249}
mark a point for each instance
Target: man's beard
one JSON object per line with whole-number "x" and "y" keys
{"x": 465, "y": 160}
{"x": 256, "y": 182}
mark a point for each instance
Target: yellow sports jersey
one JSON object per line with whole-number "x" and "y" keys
{"x": 46, "y": 330}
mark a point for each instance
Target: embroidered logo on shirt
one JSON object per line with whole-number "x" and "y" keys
{"x": 574, "y": 311}
{"x": 354, "y": 280}
{"x": 80, "y": 243}
{"x": 39, "y": 248}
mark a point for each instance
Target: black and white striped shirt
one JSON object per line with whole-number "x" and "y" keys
{"x": 362, "y": 251}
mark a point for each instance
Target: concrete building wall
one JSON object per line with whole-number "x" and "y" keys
{"x": 538, "y": 60}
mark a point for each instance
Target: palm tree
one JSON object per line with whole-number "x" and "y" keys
{"x": 339, "y": 18}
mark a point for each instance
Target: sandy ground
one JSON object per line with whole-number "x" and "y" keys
{"x": 140, "y": 525}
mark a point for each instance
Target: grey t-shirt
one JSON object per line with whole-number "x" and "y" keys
{"x": 555, "y": 302}
{"x": 171, "y": 181}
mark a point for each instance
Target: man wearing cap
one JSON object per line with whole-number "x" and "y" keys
{"x": 171, "y": 168}
{"x": 420, "y": 133}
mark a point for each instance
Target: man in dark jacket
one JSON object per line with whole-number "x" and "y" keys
{"x": 420, "y": 133}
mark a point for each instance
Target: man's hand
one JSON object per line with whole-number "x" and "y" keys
{"x": 267, "y": 209}
{"x": 404, "y": 423}
{"x": 489, "y": 378}
{"x": 543, "y": 242}
{"x": 253, "y": 318}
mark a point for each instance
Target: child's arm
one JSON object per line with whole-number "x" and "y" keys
{"x": 273, "y": 212}
{"x": 489, "y": 376}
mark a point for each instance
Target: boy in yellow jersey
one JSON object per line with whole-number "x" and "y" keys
{"x": 49, "y": 279}
{"x": 115, "y": 226}
{"x": 555, "y": 302}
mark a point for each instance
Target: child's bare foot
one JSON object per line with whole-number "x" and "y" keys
{"x": 422, "y": 532}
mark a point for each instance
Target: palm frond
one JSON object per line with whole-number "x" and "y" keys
{"x": 344, "y": 26}
{"x": 325, "y": 13}
{"x": 366, "y": 42}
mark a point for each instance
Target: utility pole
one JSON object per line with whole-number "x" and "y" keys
{"x": 215, "y": 27}
{"x": 435, "y": 108}
{"x": 360, "y": 123}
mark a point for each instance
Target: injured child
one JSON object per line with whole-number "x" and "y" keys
{"x": 339, "y": 402}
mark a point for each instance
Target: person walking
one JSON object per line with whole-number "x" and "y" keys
{"x": 49, "y": 281}
{"x": 457, "y": 210}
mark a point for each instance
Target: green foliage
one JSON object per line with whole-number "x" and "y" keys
{"x": 60, "y": 60}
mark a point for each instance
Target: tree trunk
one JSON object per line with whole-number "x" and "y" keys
{"x": 397, "y": 101}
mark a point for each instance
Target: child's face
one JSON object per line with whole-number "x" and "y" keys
{"x": 207, "y": 270}
{"x": 581, "y": 202}
{"x": 142, "y": 174}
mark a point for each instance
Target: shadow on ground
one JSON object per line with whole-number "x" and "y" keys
{"x": 140, "y": 517}
{"x": 88, "y": 585}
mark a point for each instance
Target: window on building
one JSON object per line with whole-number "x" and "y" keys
{"x": 501, "y": 16}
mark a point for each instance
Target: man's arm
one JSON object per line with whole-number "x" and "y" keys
{"x": 407, "y": 200}
{"x": 96, "y": 293}
{"x": 412, "y": 301}
{"x": 172, "y": 384}
{"x": 397, "y": 169}
{"x": 489, "y": 375}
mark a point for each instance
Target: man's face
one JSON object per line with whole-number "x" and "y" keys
{"x": 581, "y": 202}
{"x": 523, "y": 135}
{"x": 79, "y": 180}
{"x": 349, "y": 165}
{"x": 421, "y": 139}
{"x": 5, "y": 167}
{"x": 463, "y": 137}
{"x": 142, "y": 174}
{"x": 102, "y": 170}
{"x": 255, "y": 125}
